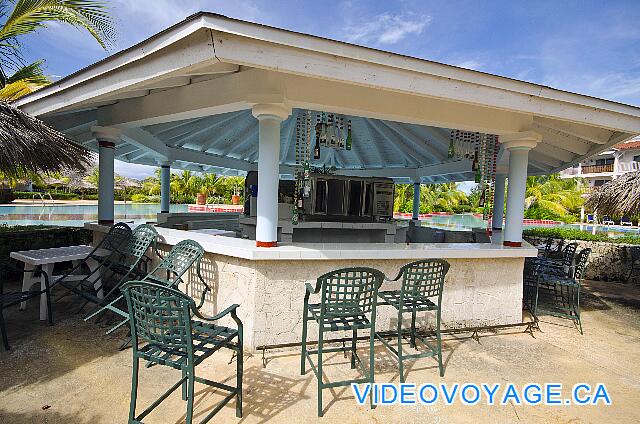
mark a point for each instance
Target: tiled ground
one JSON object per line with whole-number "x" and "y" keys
{"x": 73, "y": 373}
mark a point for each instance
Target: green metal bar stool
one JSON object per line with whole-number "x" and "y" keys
{"x": 556, "y": 291}
{"x": 168, "y": 272}
{"x": 348, "y": 299}
{"x": 421, "y": 280}
{"x": 164, "y": 332}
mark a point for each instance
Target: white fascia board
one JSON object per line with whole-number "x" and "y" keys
{"x": 325, "y": 46}
{"x": 244, "y": 43}
{"x": 136, "y": 67}
{"x": 117, "y": 60}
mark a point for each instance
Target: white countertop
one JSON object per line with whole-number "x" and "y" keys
{"x": 246, "y": 249}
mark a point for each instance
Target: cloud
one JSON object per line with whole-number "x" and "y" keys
{"x": 386, "y": 28}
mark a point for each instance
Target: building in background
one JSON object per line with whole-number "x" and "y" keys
{"x": 608, "y": 165}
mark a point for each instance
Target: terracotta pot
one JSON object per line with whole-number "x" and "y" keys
{"x": 201, "y": 199}
{"x": 235, "y": 199}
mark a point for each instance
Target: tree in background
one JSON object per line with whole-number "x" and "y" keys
{"x": 444, "y": 197}
{"x": 21, "y": 17}
{"x": 552, "y": 197}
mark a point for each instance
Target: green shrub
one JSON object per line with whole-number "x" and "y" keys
{"x": 576, "y": 234}
{"x": 535, "y": 212}
{"x": 55, "y": 195}
{"x": 139, "y": 198}
{"x": 180, "y": 199}
{"x": 6, "y": 196}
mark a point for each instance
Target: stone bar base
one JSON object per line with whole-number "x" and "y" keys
{"x": 477, "y": 292}
{"x": 483, "y": 286}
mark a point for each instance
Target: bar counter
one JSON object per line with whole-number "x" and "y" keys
{"x": 483, "y": 286}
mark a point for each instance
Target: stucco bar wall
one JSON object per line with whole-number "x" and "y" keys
{"x": 478, "y": 291}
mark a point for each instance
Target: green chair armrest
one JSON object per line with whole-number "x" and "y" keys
{"x": 231, "y": 309}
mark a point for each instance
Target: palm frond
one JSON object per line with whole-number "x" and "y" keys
{"x": 31, "y": 15}
{"x": 24, "y": 81}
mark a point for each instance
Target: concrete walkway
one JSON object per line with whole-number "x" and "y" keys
{"x": 73, "y": 373}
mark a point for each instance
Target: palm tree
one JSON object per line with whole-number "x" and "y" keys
{"x": 554, "y": 194}
{"x": 28, "y": 16}
{"x": 433, "y": 197}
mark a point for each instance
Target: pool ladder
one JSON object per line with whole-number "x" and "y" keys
{"x": 33, "y": 198}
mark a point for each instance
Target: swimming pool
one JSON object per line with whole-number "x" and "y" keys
{"x": 77, "y": 215}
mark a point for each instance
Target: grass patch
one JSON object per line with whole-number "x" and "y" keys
{"x": 575, "y": 234}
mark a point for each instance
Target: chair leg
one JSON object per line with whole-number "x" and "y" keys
{"x": 354, "y": 338}
{"x": 439, "y": 339}
{"x": 184, "y": 385}
{"x": 400, "y": 362}
{"x": 535, "y": 305}
{"x": 3, "y": 330}
{"x": 319, "y": 367}
{"x": 239, "y": 373}
{"x": 372, "y": 368}
{"x": 134, "y": 389}
{"x": 413, "y": 329}
{"x": 304, "y": 343}
{"x": 191, "y": 377}
{"x": 578, "y": 309}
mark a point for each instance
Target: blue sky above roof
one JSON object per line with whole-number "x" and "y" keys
{"x": 589, "y": 47}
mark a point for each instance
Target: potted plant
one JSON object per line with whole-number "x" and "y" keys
{"x": 235, "y": 198}
{"x": 201, "y": 198}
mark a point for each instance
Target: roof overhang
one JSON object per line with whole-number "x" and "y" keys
{"x": 196, "y": 81}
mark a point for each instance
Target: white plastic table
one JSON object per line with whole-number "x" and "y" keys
{"x": 47, "y": 258}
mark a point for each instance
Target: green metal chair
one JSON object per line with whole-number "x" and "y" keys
{"x": 131, "y": 263}
{"x": 348, "y": 299}
{"x": 168, "y": 272}
{"x": 556, "y": 291}
{"x": 165, "y": 332}
{"x": 421, "y": 280}
{"x": 106, "y": 255}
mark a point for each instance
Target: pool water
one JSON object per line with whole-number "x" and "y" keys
{"x": 77, "y": 215}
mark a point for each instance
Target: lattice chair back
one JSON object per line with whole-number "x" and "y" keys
{"x": 581, "y": 264}
{"x": 142, "y": 238}
{"x": 547, "y": 247}
{"x": 424, "y": 277}
{"x": 117, "y": 237}
{"x": 160, "y": 316}
{"x": 568, "y": 254}
{"x": 178, "y": 261}
{"x": 349, "y": 291}
{"x": 634, "y": 252}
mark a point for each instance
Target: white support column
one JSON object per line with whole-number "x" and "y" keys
{"x": 498, "y": 202}
{"x": 269, "y": 116}
{"x": 165, "y": 187}
{"x": 107, "y": 139}
{"x": 518, "y": 146}
{"x": 416, "y": 201}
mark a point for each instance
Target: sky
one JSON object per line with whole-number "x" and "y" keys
{"x": 588, "y": 47}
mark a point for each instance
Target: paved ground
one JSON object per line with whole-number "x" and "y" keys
{"x": 72, "y": 373}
